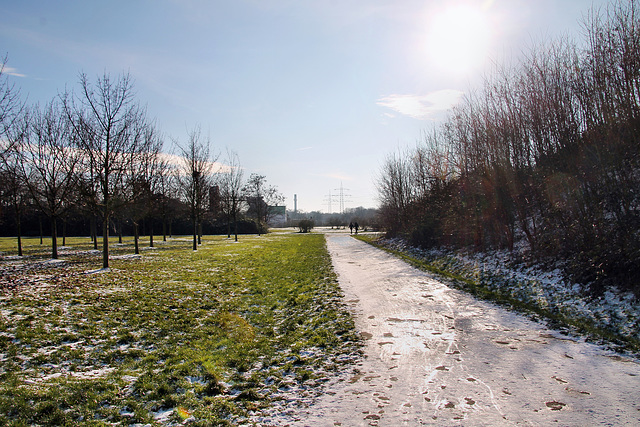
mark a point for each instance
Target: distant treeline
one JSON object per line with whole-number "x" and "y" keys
{"x": 546, "y": 153}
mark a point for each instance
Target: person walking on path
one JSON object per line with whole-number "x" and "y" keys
{"x": 351, "y": 227}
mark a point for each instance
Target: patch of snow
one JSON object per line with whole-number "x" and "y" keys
{"x": 100, "y": 270}
{"x": 128, "y": 256}
{"x": 162, "y": 416}
{"x": 53, "y": 262}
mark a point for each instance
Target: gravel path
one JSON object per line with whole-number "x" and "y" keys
{"x": 436, "y": 356}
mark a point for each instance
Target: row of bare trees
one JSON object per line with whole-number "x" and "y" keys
{"x": 96, "y": 153}
{"x": 546, "y": 153}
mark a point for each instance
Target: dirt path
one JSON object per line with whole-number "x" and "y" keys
{"x": 437, "y": 356}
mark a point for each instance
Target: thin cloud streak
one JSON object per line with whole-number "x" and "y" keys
{"x": 12, "y": 72}
{"x": 176, "y": 162}
{"x": 338, "y": 176}
{"x": 422, "y": 107}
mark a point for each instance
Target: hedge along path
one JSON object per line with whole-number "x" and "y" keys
{"x": 437, "y": 356}
{"x": 214, "y": 336}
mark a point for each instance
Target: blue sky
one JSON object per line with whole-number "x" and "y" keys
{"x": 311, "y": 94}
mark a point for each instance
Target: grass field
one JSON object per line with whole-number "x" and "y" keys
{"x": 211, "y": 336}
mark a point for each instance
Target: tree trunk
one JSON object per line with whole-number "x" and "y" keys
{"x": 19, "y": 230}
{"x": 40, "y": 223}
{"x": 164, "y": 228}
{"x": 195, "y": 234}
{"x": 64, "y": 233}
{"x": 235, "y": 224}
{"x": 54, "y": 237}
{"x": 105, "y": 242}
{"x": 135, "y": 238}
{"x": 94, "y": 232}
{"x": 151, "y": 233}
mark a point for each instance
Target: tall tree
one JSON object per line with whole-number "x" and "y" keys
{"x": 13, "y": 189}
{"x": 260, "y": 196}
{"x": 108, "y": 126}
{"x": 144, "y": 181}
{"x": 166, "y": 188}
{"x": 396, "y": 190}
{"x": 231, "y": 180}
{"x": 13, "y": 123}
{"x": 196, "y": 176}
{"x": 11, "y": 106}
{"x": 48, "y": 163}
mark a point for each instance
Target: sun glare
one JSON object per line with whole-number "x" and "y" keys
{"x": 458, "y": 39}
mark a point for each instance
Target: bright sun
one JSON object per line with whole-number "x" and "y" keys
{"x": 458, "y": 38}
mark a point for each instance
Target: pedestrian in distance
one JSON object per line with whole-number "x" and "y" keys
{"x": 355, "y": 225}
{"x": 350, "y": 228}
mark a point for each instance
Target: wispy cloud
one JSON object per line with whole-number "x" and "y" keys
{"x": 304, "y": 148}
{"x": 338, "y": 176}
{"x": 177, "y": 162}
{"x": 422, "y": 107}
{"x": 10, "y": 71}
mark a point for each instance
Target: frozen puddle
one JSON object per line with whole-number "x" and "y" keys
{"x": 436, "y": 356}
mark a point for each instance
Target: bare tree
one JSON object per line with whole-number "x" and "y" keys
{"x": 48, "y": 163}
{"x": 396, "y": 190}
{"x": 13, "y": 125}
{"x": 231, "y": 181}
{"x": 13, "y": 186}
{"x": 107, "y": 123}
{"x": 167, "y": 187}
{"x": 196, "y": 177}
{"x": 11, "y": 106}
{"x": 260, "y": 197}
{"x": 144, "y": 181}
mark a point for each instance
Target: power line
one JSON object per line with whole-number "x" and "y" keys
{"x": 328, "y": 199}
{"x": 343, "y": 196}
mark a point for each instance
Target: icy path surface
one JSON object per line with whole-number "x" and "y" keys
{"x": 436, "y": 356}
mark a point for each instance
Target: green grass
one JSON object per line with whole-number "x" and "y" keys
{"x": 210, "y": 334}
{"x": 481, "y": 290}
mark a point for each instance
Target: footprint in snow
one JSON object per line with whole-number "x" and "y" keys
{"x": 555, "y": 406}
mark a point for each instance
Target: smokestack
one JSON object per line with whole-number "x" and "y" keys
{"x": 295, "y": 203}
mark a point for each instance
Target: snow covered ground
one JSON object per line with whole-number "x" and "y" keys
{"x": 618, "y": 312}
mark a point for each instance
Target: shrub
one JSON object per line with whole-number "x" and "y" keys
{"x": 305, "y": 225}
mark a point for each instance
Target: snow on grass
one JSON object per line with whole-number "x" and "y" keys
{"x": 127, "y": 256}
{"x": 208, "y": 337}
